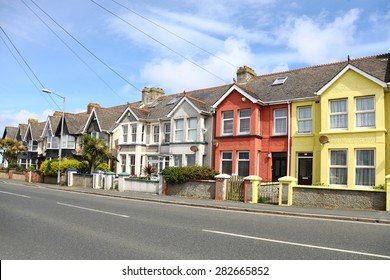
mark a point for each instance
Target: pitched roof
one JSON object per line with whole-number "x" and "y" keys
{"x": 36, "y": 130}
{"x": 107, "y": 117}
{"x": 75, "y": 122}
{"x": 10, "y": 132}
{"x": 304, "y": 82}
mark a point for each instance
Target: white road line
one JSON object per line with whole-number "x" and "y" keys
{"x": 15, "y": 194}
{"x": 297, "y": 244}
{"x": 93, "y": 210}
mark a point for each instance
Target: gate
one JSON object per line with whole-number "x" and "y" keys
{"x": 269, "y": 193}
{"x": 235, "y": 188}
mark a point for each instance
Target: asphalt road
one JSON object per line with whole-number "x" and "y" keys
{"x": 43, "y": 224}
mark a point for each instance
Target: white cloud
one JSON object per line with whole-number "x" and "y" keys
{"x": 318, "y": 42}
{"x": 177, "y": 76}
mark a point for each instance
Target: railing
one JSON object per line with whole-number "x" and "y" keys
{"x": 269, "y": 192}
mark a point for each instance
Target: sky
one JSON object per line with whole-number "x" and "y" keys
{"x": 107, "y": 51}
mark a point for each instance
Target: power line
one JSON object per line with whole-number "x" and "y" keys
{"x": 174, "y": 34}
{"x": 85, "y": 48}
{"x": 21, "y": 66}
{"x": 159, "y": 42}
{"x": 67, "y": 45}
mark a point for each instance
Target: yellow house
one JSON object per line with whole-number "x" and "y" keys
{"x": 339, "y": 138}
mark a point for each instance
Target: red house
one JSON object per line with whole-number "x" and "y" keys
{"x": 251, "y": 135}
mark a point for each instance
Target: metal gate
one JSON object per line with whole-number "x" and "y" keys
{"x": 269, "y": 193}
{"x": 235, "y": 188}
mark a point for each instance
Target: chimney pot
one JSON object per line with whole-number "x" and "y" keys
{"x": 244, "y": 74}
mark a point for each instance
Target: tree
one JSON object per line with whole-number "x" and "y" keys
{"x": 94, "y": 152}
{"x": 10, "y": 148}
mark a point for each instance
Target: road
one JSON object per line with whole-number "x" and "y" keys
{"x": 44, "y": 224}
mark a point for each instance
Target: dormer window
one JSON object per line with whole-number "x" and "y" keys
{"x": 279, "y": 81}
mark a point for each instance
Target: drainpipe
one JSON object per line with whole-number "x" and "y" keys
{"x": 288, "y": 137}
{"x": 212, "y": 138}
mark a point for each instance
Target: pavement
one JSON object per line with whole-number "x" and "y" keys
{"x": 368, "y": 216}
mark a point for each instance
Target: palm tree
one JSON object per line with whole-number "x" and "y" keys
{"x": 94, "y": 152}
{"x": 10, "y": 148}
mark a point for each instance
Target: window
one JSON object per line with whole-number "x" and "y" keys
{"x": 365, "y": 112}
{"x": 68, "y": 142}
{"x": 142, "y": 133}
{"x": 191, "y": 129}
{"x": 32, "y": 146}
{"x": 245, "y": 121}
{"x": 365, "y": 168}
{"x": 304, "y": 120}
{"x": 243, "y": 164}
{"x": 177, "y": 160}
{"x": 134, "y": 133}
{"x": 132, "y": 164}
{"x": 279, "y": 81}
{"x": 280, "y": 121}
{"x": 167, "y": 132}
{"x": 226, "y": 164}
{"x": 179, "y": 126}
{"x": 52, "y": 142}
{"x": 258, "y": 123}
{"x": 156, "y": 133}
{"x": 338, "y": 114}
{"x": 338, "y": 167}
{"x": 227, "y": 122}
{"x": 123, "y": 163}
{"x": 125, "y": 130}
{"x": 190, "y": 160}
{"x": 95, "y": 134}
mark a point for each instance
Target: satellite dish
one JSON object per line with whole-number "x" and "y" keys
{"x": 194, "y": 148}
{"x": 324, "y": 139}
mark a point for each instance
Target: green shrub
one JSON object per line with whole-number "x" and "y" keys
{"x": 178, "y": 175}
{"x": 13, "y": 165}
{"x": 50, "y": 167}
{"x": 31, "y": 168}
{"x": 103, "y": 167}
{"x": 380, "y": 187}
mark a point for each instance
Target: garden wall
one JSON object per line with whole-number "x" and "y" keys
{"x": 139, "y": 185}
{"x": 364, "y": 199}
{"x": 196, "y": 188}
{"x": 82, "y": 180}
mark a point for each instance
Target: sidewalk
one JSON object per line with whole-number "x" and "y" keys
{"x": 382, "y": 217}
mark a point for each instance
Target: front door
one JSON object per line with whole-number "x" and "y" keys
{"x": 279, "y": 166}
{"x": 305, "y": 169}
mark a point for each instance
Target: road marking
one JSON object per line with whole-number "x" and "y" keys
{"x": 297, "y": 244}
{"x": 15, "y": 194}
{"x": 93, "y": 210}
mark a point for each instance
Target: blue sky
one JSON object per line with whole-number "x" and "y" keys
{"x": 205, "y": 43}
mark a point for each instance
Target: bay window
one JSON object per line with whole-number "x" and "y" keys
{"x": 338, "y": 114}
{"x": 338, "y": 167}
{"x": 365, "y": 112}
{"x": 191, "y": 129}
{"x": 365, "y": 168}
{"x": 244, "y": 121}
{"x": 179, "y": 126}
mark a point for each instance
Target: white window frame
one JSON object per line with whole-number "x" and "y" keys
{"x": 304, "y": 120}
{"x": 245, "y": 118}
{"x": 225, "y": 120}
{"x": 167, "y": 132}
{"x": 339, "y": 166}
{"x": 123, "y": 163}
{"x": 191, "y": 131}
{"x": 361, "y": 112}
{"x": 132, "y": 164}
{"x": 66, "y": 144}
{"x": 370, "y": 167}
{"x": 156, "y": 133}
{"x": 336, "y": 114}
{"x": 178, "y": 160}
{"x": 179, "y": 131}
{"x": 125, "y": 133}
{"x": 277, "y": 118}
{"x": 133, "y": 132}
{"x": 190, "y": 156}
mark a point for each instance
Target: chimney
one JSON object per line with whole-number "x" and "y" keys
{"x": 91, "y": 106}
{"x": 149, "y": 95}
{"x": 57, "y": 114}
{"x": 32, "y": 120}
{"x": 244, "y": 74}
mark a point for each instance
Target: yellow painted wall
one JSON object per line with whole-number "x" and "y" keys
{"x": 387, "y": 126}
{"x": 308, "y": 143}
{"x": 349, "y": 86}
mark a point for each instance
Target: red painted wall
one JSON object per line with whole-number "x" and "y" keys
{"x": 258, "y": 143}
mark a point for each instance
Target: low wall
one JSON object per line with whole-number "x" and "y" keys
{"x": 82, "y": 180}
{"x": 197, "y": 188}
{"x": 33, "y": 177}
{"x": 137, "y": 185}
{"x": 322, "y": 197}
{"x": 3, "y": 174}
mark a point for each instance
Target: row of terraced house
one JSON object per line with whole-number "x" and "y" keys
{"x": 325, "y": 124}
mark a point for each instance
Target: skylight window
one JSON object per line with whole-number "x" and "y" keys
{"x": 279, "y": 81}
{"x": 174, "y": 100}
